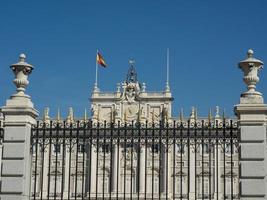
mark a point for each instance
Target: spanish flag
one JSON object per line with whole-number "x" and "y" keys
{"x": 100, "y": 60}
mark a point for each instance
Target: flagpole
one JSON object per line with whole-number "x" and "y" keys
{"x": 167, "y": 71}
{"x": 96, "y": 71}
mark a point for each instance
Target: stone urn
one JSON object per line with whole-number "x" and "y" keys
{"x": 251, "y": 66}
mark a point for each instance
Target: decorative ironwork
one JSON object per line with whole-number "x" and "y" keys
{"x": 179, "y": 160}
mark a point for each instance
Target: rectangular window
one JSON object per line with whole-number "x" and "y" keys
{"x": 155, "y": 148}
{"x": 81, "y": 148}
{"x": 57, "y": 148}
{"x": 179, "y": 148}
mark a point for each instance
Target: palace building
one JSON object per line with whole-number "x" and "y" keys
{"x": 157, "y": 162}
{"x": 132, "y": 147}
{"x": 131, "y": 102}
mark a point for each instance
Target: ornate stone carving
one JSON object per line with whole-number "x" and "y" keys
{"x": 251, "y": 67}
{"x": 132, "y": 112}
{"x": 21, "y": 70}
{"x": 94, "y": 111}
{"x": 130, "y": 92}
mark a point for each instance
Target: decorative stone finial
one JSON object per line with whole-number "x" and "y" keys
{"x": 181, "y": 115}
{"x": 22, "y": 57}
{"x": 46, "y": 114}
{"x": 250, "y": 53}
{"x": 167, "y": 88}
{"x": 251, "y": 66}
{"x": 192, "y": 115}
{"x": 58, "y": 114}
{"x": 144, "y": 87}
{"x": 96, "y": 89}
{"x": 217, "y": 112}
{"x": 210, "y": 115}
{"x": 70, "y": 117}
{"x": 196, "y": 114}
{"x": 118, "y": 87}
{"x": 85, "y": 115}
{"x": 21, "y": 70}
{"x": 223, "y": 114}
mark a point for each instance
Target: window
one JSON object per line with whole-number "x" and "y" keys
{"x": 179, "y": 148}
{"x": 55, "y": 185}
{"x": 203, "y": 187}
{"x": 105, "y": 148}
{"x": 56, "y": 148}
{"x": 128, "y": 184}
{"x": 228, "y": 148}
{"x": 80, "y": 185}
{"x": 155, "y": 148}
{"x": 180, "y": 182}
{"x": 81, "y": 148}
{"x": 205, "y": 148}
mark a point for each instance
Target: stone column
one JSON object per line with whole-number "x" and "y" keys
{"x": 20, "y": 115}
{"x": 116, "y": 167}
{"x": 93, "y": 168}
{"x": 67, "y": 173}
{"x": 218, "y": 173}
{"x": 166, "y": 169}
{"x": 192, "y": 172}
{"x": 45, "y": 171}
{"x": 142, "y": 169}
{"x": 251, "y": 113}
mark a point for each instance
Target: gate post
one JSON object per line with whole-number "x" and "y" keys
{"x": 19, "y": 116}
{"x": 251, "y": 113}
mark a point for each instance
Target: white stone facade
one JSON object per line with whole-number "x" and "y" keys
{"x": 128, "y": 172}
{"x": 62, "y": 165}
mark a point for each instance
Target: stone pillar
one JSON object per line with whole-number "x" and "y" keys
{"x": 67, "y": 173}
{"x": 45, "y": 171}
{"x": 218, "y": 173}
{"x": 192, "y": 162}
{"x": 142, "y": 169}
{"x": 166, "y": 170}
{"x": 20, "y": 115}
{"x": 116, "y": 167}
{"x": 93, "y": 168}
{"x": 251, "y": 113}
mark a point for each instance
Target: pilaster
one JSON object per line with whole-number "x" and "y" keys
{"x": 19, "y": 116}
{"x": 251, "y": 113}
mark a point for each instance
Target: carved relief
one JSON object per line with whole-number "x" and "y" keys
{"x": 131, "y": 92}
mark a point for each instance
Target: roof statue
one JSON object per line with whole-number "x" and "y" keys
{"x": 131, "y": 75}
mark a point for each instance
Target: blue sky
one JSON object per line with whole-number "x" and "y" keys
{"x": 206, "y": 39}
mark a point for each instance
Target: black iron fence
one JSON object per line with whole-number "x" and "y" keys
{"x": 179, "y": 160}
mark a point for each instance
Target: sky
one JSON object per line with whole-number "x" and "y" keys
{"x": 206, "y": 39}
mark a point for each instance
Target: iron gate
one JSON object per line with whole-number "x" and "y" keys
{"x": 179, "y": 160}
